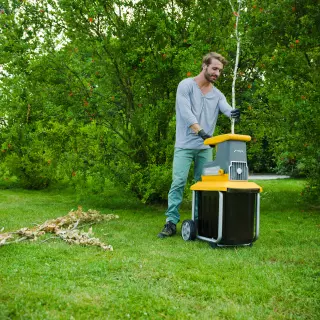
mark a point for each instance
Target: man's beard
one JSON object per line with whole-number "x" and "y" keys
{"x": 210, "y": 77}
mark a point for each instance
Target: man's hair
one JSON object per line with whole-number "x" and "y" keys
{"x": 207, "y": 59}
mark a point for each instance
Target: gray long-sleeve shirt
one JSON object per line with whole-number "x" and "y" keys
{"x": 192, "y": 106}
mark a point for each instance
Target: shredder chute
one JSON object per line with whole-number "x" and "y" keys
{"x": 225, "y": 205}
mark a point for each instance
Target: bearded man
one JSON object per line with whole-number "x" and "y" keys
{"x": 198, "y": 103}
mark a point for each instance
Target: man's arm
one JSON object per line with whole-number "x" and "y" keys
{"x": 200, "y": 132}
{"x": 195, "y": 128}
{"x": 183, "y": 104}
{"x": 226, "y": 109}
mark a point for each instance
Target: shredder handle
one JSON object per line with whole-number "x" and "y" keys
{"x": 220, "y": 220}
{"x": 257, "y": 219}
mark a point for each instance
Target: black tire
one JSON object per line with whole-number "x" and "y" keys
{"x": 188, "y": 230}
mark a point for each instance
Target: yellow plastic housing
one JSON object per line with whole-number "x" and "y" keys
{"x": 226, "y": 137}
{"x": 222, "y": 183}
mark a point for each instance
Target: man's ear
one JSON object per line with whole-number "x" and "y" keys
{"x": 203, "y": 66}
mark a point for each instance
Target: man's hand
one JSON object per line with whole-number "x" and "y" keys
{"x": 203, "y": 134}
{"x": 235, "y": 114}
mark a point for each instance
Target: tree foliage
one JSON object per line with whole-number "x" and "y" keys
{"x": 88, "y": 88}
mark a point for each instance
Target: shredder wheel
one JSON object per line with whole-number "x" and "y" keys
{"x": 188, "y": 230}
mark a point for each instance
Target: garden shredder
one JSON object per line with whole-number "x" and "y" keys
{"x": 225, "y": 205}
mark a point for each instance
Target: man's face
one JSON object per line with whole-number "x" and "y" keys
{"x": 213, "y": 70}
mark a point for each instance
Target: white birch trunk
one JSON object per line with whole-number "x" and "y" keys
{"x": 237, "y": 14}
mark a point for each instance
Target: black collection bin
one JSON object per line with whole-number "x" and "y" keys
{"x": 238, "y": 211}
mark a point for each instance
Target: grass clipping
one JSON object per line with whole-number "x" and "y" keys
{"x": 66, "y": 228}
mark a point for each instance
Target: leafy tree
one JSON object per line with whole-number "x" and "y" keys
{"x": 289, "y": 62}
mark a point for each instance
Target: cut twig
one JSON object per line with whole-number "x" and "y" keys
{"x": 12, "y": 242}
{"x": 75, "y": 225}
{"x": 49, "y": 239}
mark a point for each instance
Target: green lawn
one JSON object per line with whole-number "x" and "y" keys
{"x": 149, "y": 278}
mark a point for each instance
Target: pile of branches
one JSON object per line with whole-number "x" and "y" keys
{"x": 66, "y": 228}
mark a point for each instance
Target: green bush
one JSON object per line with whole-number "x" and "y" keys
{"x": 33, "y": 171}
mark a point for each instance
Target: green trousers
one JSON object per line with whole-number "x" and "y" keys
{"x": 182, "y": 161}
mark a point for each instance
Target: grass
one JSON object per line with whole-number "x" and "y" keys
{"x": 149, "y": 278}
